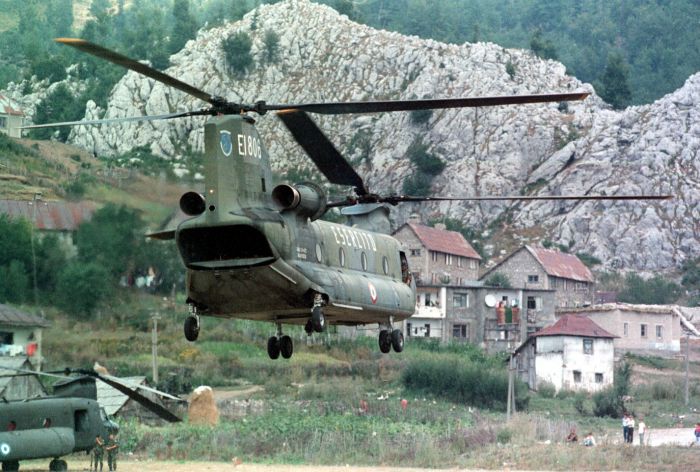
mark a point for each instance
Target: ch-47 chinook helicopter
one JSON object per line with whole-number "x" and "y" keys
{"x": 62, "y": 424}
{"x": 259, "y": 252}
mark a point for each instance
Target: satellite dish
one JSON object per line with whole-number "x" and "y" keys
{"x": 490, "y": 300}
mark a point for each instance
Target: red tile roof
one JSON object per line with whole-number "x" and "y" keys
{"x": 561, "y": 264}
{"x": 574, "y": 325}
{"x": 8, "y": 107}
{"x": 56, "y": 216}
{"x": 442, "y": 240}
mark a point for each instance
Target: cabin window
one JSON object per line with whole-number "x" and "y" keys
{"x": 588, "y": 346}
{"x": 363, "y": 260}
{"x": 262, "y": 184}
{"x": 385, "y": 264}
{"x": 46, "y": 423}
{"x": 577, "y": 376}
{"x": 659, "y": 332}
{"x": 643, "y": 330}
{"x": 341, "y": 257}
{"x": 319, "y": 253}
{"x": 598, "y": 378}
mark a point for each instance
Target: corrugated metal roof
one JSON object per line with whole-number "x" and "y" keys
{"x": 442, "y": 240}
{"x": 561, "y": 264}
{"x": 50, "y": 216}
{"x": 9, "y": 107}
{"x": 11, "y": 316}
{"x": 574, "y": 325}
{"x": 111, "y": 399}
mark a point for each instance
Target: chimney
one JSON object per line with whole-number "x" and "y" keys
{"x": 414, "y": 218}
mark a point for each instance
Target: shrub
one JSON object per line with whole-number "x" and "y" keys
{"x": 498, "y": 279}
{"x": 504, "y": 436}
{"x": 580, "y": 404}
{"x": 510, "y": 70}
{"x": 237, "y": 52}
{"x": 271, "y": 42}
{"x": 546, "y": 389}
{"x": 419, "y": 117}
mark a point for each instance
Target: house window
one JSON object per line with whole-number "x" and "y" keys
{"x": 460, "y": 331}
{"x": 534, "y": 303}
{"x": 459, "y": 261}
{"x": 3, "y": 122}
{"x": 460, "y": 300}
{"x": 643, "y": 331}
{"x": 434, "y": 256}
{"x": 6, "y": 337}
{"x": 625, "y": 329}
{"x": 409, "y": 329}
{"x": 533, "y": 279}
{"x": 588, "y": 346}
{"x": 598, "y": 378}
{"x": 659, "y": 332}
{"x": 427, "y": 330}
{"x": 448, "y": 259}
{"x": 427, "y": 299}
{"x": 577, "y": 376}
{"x": 473, "y": 263}
{"x": 415, "y": 252}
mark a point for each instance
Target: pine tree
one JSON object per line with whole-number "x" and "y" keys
{"x": 614, "y": 83}
{"x": 184, "y": 26}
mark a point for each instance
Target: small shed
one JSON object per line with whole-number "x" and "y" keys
{"x": 116, "y": 404}
{"x": 20, "y": 334}
{"x": 572, "y": 354}
{"x": 16, "y": 384}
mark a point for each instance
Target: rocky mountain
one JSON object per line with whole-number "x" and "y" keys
{"x": 582, "y": 147}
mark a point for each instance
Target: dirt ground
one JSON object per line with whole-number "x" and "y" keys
{"x": 162, "y": 466}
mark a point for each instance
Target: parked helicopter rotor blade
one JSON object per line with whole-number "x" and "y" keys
{"x": 319, "y": 148}
{"x": 340, "y": 108}
{"x": 396, "y": 199}
{"x": 107, "y": 121}
{"x": 128, "y": 63}
{"x": 137, "y": 397}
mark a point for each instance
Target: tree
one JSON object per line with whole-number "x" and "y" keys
{"x": 541, "y": 47}
{"x": 237, "y": 52}
{"x": 271, "y": 41}
{"x": 59, "y": 105}
{"x": 498, "y": 279}
{"x": 614, "y": 84}
{"x": 184, "y": 26}
{"x": 654, "y": 291}
{"x": 81, "y": 287}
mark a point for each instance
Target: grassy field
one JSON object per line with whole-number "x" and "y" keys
{"x": 307, "y": 409}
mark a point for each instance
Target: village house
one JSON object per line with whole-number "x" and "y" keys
{"x": 533, "y": 267}
{"x": 20, "y": 334}
{"x": 18, "y": 387}
{"x": 572, "y": 354}
{"x": 60, "y": 218}
{"x": 11, "y": 117}
{"x": 641, "y": 328}
{"x": 438, "y": 256}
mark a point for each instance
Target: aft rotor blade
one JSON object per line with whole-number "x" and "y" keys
{"x": 396, "y": 199}
{"x": 426, "y": 104}
{"x": 324, "y": 154}
{"x": 108, "y": 121}
{"x": 134, "y": 395}
{"x": 121, "y": 60}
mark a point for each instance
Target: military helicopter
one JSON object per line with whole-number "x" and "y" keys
{"x": 67, "y": 422}
{"x": 259, "y": 252}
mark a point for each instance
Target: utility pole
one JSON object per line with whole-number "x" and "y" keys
{"x": 154, "y": 346}
{"x": 35, "y": 200}
{"x": 510, "y": 406}
{"x": 687, "y": 362}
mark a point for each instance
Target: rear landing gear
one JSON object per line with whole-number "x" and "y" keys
{"x": 280, "y": 344}
{"x": 390, "y": 338}
{"x": 58, "y": 465}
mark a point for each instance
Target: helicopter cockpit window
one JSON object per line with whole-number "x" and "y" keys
{"x": 319, "y": 253}
{"x": 385, "y": 265}
{"x": 12, "y": 426}
{"x": 47, "y": 423}
{"x": 341, "y": 257}
{"x": 363, "y": 259}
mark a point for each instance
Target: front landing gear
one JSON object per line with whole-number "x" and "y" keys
{"x": 192, "y": 325}
{"x": 390, "y": 338}
{"x": 280, "y": 344}
{"x": 58, "y": 465}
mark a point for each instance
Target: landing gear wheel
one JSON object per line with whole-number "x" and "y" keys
{"x": 273, "y": 347}
{"x": 191, "y": 328}
{"x": 286, "y": 347}
{"x": 318, "y": 321}
{"x": 397, "y": 340}
{"x": 309, "y": 328}
{"x": 10, "y": 466}
{"x": 384, "y": 341}
{"x": 58, "y": 465}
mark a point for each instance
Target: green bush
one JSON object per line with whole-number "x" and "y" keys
{"x": 81, "y": 287}
{"x": 237, "y": 53}
{"x": 546, "y": 389}
{"x": 504, "y": 436}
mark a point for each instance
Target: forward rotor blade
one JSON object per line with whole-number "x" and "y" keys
{"x": 120, "y": 60}
{"x": 326, "y": 157}
{"x": 428, "y": 104}
{"x": 134, "y": 395}
{"x": 396, "y": 199}
{"x": 107, "y": 121}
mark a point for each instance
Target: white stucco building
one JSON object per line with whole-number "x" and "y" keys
{"x": 572, "y": 354}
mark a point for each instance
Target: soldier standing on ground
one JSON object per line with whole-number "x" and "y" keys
{"x": 112, "y": 448}
{"x": 98, "y": 452}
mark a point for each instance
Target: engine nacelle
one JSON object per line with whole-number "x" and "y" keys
{"x": 306, "y": 199}
{"x": 192, "y": 204}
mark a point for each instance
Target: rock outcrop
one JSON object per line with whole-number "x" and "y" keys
{"x": 583, "y": 147}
